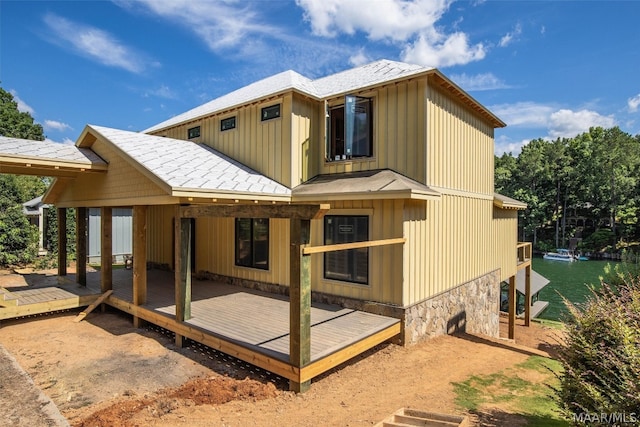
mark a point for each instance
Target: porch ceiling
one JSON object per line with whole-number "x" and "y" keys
{"x": 46, "y": 158}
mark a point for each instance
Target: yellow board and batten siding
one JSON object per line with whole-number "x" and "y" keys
{"x": 264, "y": 146}
{"x": 114, "y": 188}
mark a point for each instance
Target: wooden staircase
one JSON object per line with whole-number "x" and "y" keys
{"x": 406, "y": 417}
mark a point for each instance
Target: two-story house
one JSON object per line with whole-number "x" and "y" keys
{"x": 370, "y": 190}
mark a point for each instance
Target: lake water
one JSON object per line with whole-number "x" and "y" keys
{"x": 571, "y": 279}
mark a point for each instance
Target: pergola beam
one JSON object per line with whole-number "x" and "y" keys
{"x": 255, "y": 211}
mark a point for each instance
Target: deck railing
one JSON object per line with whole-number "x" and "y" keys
{"x": 524, "y": 253}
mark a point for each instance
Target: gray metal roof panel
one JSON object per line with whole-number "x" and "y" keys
{"x": 185, "y": 166}
{"x": 48, "y": 150}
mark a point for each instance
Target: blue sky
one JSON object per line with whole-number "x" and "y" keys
{"x": 547, "y": 68}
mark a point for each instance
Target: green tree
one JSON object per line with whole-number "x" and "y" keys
{"x": 18, "y": 239}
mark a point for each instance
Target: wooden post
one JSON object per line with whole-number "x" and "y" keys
{"x": 62, "y": 242}
{"x": 139, "y": 258}
{"x": 527, "y": 295}
{"x": 299, "y": 300}
{"x": 182, "y": 270}
{"x": 81, "y": 246}
{"x": 106, "y": 268}
{"x": 512, "y": 307}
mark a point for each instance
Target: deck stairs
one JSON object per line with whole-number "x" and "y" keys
{"x": 406, "y": 417}
{"x": 7, "y": 299}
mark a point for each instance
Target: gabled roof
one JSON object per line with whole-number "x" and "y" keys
{"x": 46, "y": 158}
{"x": 374, "y": 184}
{"x": 355, "y": 79}
{"x": 32, "y": 207}
{"x": 187, "y": 169}
{"x": 504, "y": 202}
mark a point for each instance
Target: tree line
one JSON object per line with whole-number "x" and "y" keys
{"x": 585, "y": 187}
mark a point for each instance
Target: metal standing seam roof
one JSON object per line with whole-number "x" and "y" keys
{"x": 25, "y": 149}
{"x": 187, "y": 167}
{"x": 349, "y": 80}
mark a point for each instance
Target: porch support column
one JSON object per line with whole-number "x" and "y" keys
{"x": 62, "y": 241}
{"x": 139, "y": 258}
{"x": 182, "y": 271}
{"x": 527, "y": 295}
{"x": 299, "y": 300}
{"x": 81, "y": 246}
{"x": 106, "y": 254}
{"x": 512, "y": 307}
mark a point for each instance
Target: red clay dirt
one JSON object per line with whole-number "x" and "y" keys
{"x": 103, "y": 372}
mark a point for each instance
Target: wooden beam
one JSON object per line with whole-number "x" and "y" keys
{"x": 527, "y": 296}
{"x": 106, "y": 254}
{"x": 139, "y": 257}
{"x": 323, "y": 365}
{"x": 183, "y": 269}
{"x": 299, "y": 301}
{"x": 200, "y": 335}
{"x": 46, "y": 307}
{"x": 89, "y": 309}
{"x": 353, "y": 245}
{"x": 62, "y": 241}
{"x": 255, "y": 211}
{"x": 512, "y": 307}
{"x": 81, "y": 246}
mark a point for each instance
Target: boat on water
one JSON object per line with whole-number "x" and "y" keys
{"x": 561, "y": 255}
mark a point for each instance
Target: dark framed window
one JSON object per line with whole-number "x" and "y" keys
{"x": 270, "y": 112}
{"x": 351, "y": 265}
{"x": 350, "y": 129}
{"x": 252, "y": 242}
{"x": 228, "y": 123}
{"x": 193, "y": 132}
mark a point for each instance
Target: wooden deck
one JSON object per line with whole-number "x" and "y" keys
{"x": 250, "y": 325}
{"x": 26, "y": 301}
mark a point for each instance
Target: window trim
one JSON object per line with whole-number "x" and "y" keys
{"x": 226, "y": 119}
{"x": 193, "y": 130}
{"x": 352, "y": 214}
{"x": 331, "y": 121}
{"x": 253, "y": 264}
{"x": 264, "y": 112}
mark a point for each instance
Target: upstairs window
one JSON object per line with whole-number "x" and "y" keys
{"x": 228, "y": 123}
{"x": 271, "y": 112}
{"x": 252, "y": 242}
{"x": 350, "y": 265}
{"x": 350, "y": 129}
{"x": 193, "y": 132}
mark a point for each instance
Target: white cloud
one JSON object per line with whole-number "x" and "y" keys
{"x": 55, "y": 125}
{"x": 556, "y": 122}
{"x": 22, "y": 106}
{"x": 509, "y": 38}
{"x": 568, "y": 123}
{"x": 634, "y": 103}
{"x": 220, "y": 24}
{"x": 411, "y": 24}
{"x": 524, "y": 114}
{"x": 96, "y": 44}
{"x": 162, "y": 92}
{"x": 505, "y": 145}
{"x": 359, "y": 58}
{"x": 65, "y": 141}
{"x": 485, "y": 81}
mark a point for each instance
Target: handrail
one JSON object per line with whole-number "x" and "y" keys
{"x": 354, "y": 245}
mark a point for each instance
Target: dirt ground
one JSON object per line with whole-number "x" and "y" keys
{"x": 103, "y": 372}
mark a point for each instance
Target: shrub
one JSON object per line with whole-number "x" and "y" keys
{"x": 601, "y": 358}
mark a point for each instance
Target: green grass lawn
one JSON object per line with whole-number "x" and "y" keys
{"x": 524, "y": 390}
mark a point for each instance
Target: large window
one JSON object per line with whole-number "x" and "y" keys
{"x": 252, "y": 242}
{"x": 351, "y": 265}
{"x": 350, "y": 129}
{"x": 193, "y": 132}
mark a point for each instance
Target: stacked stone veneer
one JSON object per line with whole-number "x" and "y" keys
{"x": 472, "y": 307}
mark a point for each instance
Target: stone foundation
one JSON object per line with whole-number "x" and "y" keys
{"x": 471, "y": 307}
